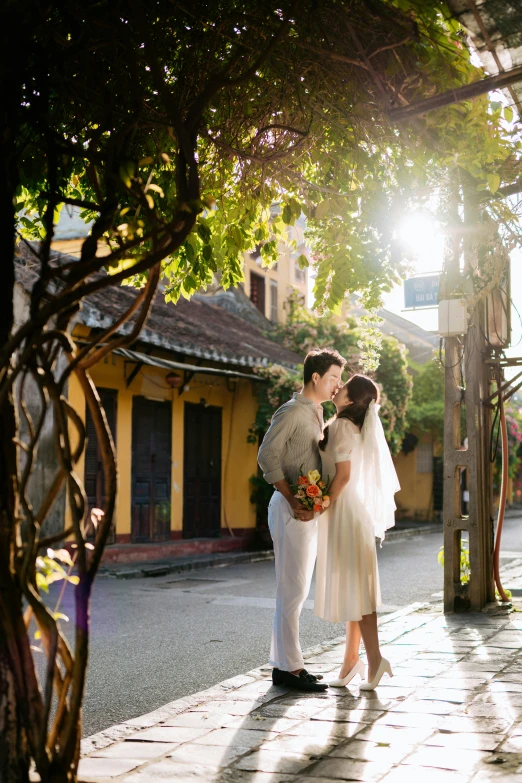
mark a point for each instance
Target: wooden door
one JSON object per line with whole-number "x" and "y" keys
{"x": 151, "y": 469}
{"x": 94, "y": 477}
{"x": 202, "y": 472}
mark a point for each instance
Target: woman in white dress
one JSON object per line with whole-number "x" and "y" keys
{"x": 357, "y": 459}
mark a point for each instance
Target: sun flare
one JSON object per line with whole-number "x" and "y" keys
{"x": 423, "y": 239}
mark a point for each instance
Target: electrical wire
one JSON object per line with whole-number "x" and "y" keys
{"x": 496, "y": 422}
{"x": 442, "y": 362}
{"x": 502, "y": 500}
{"x": 513, "y": 305}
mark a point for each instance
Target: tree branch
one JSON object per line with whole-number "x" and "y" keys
{"x": 77, "y": 202}
{"x": 390, "y": 46}
{"x": 342, "y": 58}
{"x": 219, "y": 80}
{"x": 48, "y": 541}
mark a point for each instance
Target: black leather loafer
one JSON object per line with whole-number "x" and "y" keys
{"x": 301, "y": 682}
{"x": 316, "y": 677}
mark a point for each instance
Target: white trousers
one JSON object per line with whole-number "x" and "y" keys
{"x": 295, "y": 551}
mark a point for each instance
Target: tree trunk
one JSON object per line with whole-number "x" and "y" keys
{"x": 14, "y": 752}
{"x": 14, "y": 647}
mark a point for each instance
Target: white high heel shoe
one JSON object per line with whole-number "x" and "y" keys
{"x": 357, "y": 669}
{"x": 384, "y": 666}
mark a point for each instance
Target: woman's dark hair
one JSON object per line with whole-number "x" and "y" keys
{"x": 320, "y": 361}
{"x": 361, "y": 391}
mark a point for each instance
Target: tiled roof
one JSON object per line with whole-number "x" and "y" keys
{"x": 192, "y": 328}
{"x": 197, "y": 328}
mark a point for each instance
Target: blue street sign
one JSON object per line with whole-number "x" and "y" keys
{"x": 421, "y": 291}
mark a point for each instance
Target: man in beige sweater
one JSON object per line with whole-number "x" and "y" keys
{"x": 291, "y": 442}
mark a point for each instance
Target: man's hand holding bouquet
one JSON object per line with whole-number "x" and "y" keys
{"x": 311, "y": 490}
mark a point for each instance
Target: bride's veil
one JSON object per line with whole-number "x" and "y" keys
{"x": 377, "y": 479}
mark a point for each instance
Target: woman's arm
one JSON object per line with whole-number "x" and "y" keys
{"x": 340, "y": 480}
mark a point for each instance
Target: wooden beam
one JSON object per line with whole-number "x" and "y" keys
{"x": 464, "y": 93}
{"x": 516, "y": 361}
{"x": 491, "y": 47}
{"x": 135, "y": 370}
{"x": 187, "y": 377}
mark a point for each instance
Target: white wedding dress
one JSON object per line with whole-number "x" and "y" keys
{"x": 347, "y": 576}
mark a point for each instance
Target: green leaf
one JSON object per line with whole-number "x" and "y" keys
{"x": 62, "y": 555}
{"x": 119, "y": 266}
{"x": 41, "y": 582}
{"x": 323, "y": 209}
{"x": 508, "y": 114}
{"x": 237, "y": 237}
{"x": 127, "y": 171}
{"x": 189, "y": 251}
{"x": 303, "y": 261}
{"x": 287, "y": 214}
{"x": 493, "y": 182}
{"x": 203, "y": 232}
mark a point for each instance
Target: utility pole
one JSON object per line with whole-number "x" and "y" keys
{"x": 467, "y": 386}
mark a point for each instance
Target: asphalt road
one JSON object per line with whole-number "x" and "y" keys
{"x": 158, "y": 639}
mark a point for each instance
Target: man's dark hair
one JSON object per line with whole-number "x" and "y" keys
{"x": 320, "y": 361}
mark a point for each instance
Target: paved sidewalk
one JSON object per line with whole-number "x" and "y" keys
{"x": 181, "y": 565}
{"x": 451, "y": 714}
{"x": 511, "y": 577}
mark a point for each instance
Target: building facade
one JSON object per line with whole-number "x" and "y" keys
{"x": 179, "y": 403}
{"x": 269, "y": 288}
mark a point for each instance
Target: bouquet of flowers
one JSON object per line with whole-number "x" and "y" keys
{"x": 311, "y": 490}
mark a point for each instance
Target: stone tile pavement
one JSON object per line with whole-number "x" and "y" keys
{"x": 451, "y": 714}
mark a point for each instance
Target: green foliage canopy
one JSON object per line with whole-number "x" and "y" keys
{"x": 176, "y": 129}
{"x": 426, "y": 409}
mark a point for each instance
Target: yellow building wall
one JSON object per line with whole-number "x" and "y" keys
{"x": 239, "y": 458}
{"x": 285, "y": 276}
{"x": 415, "y": 497}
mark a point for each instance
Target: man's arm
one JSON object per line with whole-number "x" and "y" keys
{"x": 282, "y": 427}
{"x": 297, "y": 507}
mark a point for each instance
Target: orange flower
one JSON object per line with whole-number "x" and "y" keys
{"x": 313, "y": 490}
{"x": 302, "y": 480}
{"x": 318, "y": 508}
